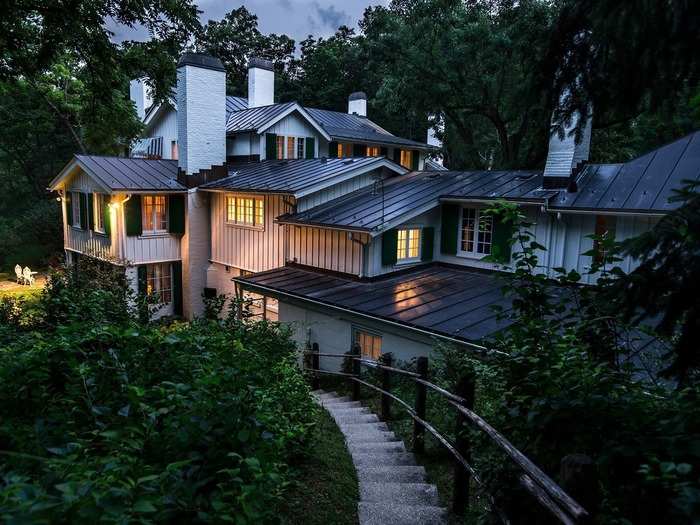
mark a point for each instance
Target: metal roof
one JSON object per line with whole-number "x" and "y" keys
{"x": 235, "y": 104}
{"x": 642, "y": 185}
{"x": 125, "y": 174}
{"x": 375, "y": 210}
{"x": 296, "y": 177}
{"x": 254, "y": 118}
{"x": 448, "y": 301}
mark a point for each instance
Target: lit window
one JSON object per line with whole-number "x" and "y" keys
{"x": 290, "y": 147}
{"x": 155, "y": 216}
{"x": 373, "y": 151}
{"x": 408, "y": 245}
{"x": 159, "y": 282}
{"x": 344, "y": 150}
{"x": 300, "y": 148}
{"x": 280, "y": 147}
{"x": 75, "y": 208}
{"x": 407, "y": 158}
{"x": 476, "y": 232}
{"x": 604, "y": 227}
{"x": 271, "y": 309}
{"x": 173, "y": 150}
{"x": 98, "y": 204}
{"x": 247, "y": 211}
{"x": 370, "y": 344}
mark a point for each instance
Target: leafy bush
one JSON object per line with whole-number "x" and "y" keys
{"x": 104, "y": 418}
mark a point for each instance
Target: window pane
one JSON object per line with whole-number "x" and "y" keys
{"x": 300, "y": 148}
{"x": 485, "y": 234}
{"x": 98, "y": 206}
{"x": 244, "y": 210}
{"x": 370, "y": 344}
{"x": 160, "y": 217}
{"x": 373, "y": 151}
{"x": 148, "y": 223}
{"x": 159, "y": 281}
{"x": 259, "y": 212}
{"x": 402, "y": 237}
{"x": 413, "y": 243}
{"x": 75, "y": 205}
{"x": 468, "y": 219}
{"x": 280, "y": 147}
{"x": 290, "y": 147}
{"x": 406, "y": 158}
{"x": 230, "y": 209}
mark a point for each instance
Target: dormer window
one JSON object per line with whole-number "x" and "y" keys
{"x": 408, "y": 245}
{"x": 476, "y": 233}
{"x": 373, "y": 151}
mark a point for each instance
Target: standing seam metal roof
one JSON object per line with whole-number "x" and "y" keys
{"x": 253, "y": 118}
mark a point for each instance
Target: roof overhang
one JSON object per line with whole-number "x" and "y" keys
{"x": 71, "y": 168}
{"x": 384, "y": 141}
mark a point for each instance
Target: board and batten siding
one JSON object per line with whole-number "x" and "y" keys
{"x": 85, "y": 241}
{"x": 246, "y": 248}
{"x": 292, "y": 125}
{"x": 337, "y": 190}
{"x": 334, "y": 250}
{"x": 152, "y": 248}
{"x": 165, "y": 126}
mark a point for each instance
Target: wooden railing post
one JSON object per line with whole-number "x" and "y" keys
{"x": 421, "y": 394}
{"x": 356, "y": 369}
{"x": 315, "y": 365}
{"x": 460, "y": 497}
{"x": 386, "y": 360}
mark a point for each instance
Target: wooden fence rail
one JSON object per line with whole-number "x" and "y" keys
{"x": 542, "y": 488}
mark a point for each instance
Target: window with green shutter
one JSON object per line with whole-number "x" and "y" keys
{"x": 176, "y": 214}
{"x": 389, "y": 247}
{"x": 310, "y": 147}
{"x": 427, "y": 243}
{"x": 501, "y": 245}
{"x": 359, "y": 150}
{"x": 270, "y": 146}
{"x": 83, "y": 211}
{"x": 333, "y": 150}
{"x": 415, "y": 156}
{"x": 132, "y": 216}
{"x": 448, "y": 228}
{"x": 69, "y": 208}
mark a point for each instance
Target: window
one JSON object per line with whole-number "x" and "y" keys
{"x": 408, "y": 244}
{"x": 476, "y": 232}
{"x": 280, "y": 147}
{"x": 604, "y": 227}
{"x": 159, "y": 282}
{"x": 98, "y": 204}
{"x": 290, "y": 148}
{"x": 373, "y": 151}
{"x": 407, "y": 159}
{"x": 300, "y": 148}
{"x": 155, "y": 214}
{"x": 245, "y": 211}
{"x": 370, "y": 344}
{"x": 75, "y": 207}
{"x": 344, "y": 150}
{"x": 174, "y": 152}
{"x": 259, "y": 307}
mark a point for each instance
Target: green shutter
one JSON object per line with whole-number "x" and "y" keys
{"x": 449, "y": 228}
{"x": 176, "y": 214}
{"x": 106, "y": 216}
{"x": 132, "y": 216}
{"x": 427, "y": 243}
{"x": 91, "y": 211}
{"x": 359, "y": 150}
{"x": 415, "y": 155}
{"x": 83, "y": 211}
{"x": 397, "y": 155}
{"x": 383, "y": 151}
{"x": 270, "y": 146}
{"x": 310, "y": 148}
{"x": 333, "y": 150}
{"x": 177, "y": 287}
{"x": 389, "y": 246}
{"x": 69, "y": 208}
{"x": 501, "y": 245}
{"x": 141, "y": 279}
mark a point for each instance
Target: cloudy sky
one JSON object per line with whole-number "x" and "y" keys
{"x": 296, "y": 18}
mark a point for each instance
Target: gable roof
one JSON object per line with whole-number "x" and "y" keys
{"x": 125, "y": 174}
{"x": 259, "y": 119}
{"x": 297, "y": 177}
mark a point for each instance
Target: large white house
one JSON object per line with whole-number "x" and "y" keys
{"x": 331, "y": 222}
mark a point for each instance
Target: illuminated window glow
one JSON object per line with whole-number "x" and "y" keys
{"x": 407, "y": 159}
{"x": 155, "y": 214}
{"x": 246, "y": 211}
{"x": 408, "y": 245}
{"x": 370, "y": 344}
{"x": 159, "y": 282}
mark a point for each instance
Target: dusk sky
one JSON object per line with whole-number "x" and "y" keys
{"x": 296, "y": 18}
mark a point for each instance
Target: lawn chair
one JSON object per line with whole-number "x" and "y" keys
{"x": 18, "y": 273}
{"x": 28, "y": 276}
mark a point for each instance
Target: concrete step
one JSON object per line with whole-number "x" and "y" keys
{"x": 335, "y": 412}
{"x": 359, "y": 428}
{"x": 382, "y": 446}
{"x": 396, "y": 514}
{"x": 383, "y": 458}
{"x": 333, "y": 398}
{"x": 356, "y": 418}
{"x": 394, "y": 473}
{"x": 402, "y": 493}
{"x": 371, "y": 436}
{"x": 342, "y": 404}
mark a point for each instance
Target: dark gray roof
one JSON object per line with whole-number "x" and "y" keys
{"x": 412, "y": 194}
{"x": 294, "y": 176}
{"x": 640, "y": 185}
{"x": 127, "y": 174}
{"x": 235, "y": 104}
{"x": 448, "y": 301}
{"x": 253, "y": 118}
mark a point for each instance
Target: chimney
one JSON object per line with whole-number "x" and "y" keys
{"x": 436, "y": 126}
{"x": 565, "y": 156}
{"x": 261, "y": 83}
{"x": 357, "y": 103}
{"x": 201, "y": 112}
{"x": 139, "y": 95}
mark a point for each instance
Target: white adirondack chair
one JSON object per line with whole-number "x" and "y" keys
{"x": 18, "y": 273}
{"x": 28, "y": 276}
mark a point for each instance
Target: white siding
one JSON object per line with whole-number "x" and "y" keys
{"x": 249, "y": 249}
{"x": 294, "y": 125}
{"x": 243, "y": 144}
{"x": 85, "y": 241}
{"x": 165, "y": 126}
{"x": 152, "y": 248}
{"x": 334, "y": 250}
{"x": 335, "y": 191}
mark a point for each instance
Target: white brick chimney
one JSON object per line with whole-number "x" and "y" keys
{"x": 357, "y": 103}
{"x": 261, "y": 83}
{"x": 565, "y": 154}
{"x": 140, "y": 96}
{"x": 201, "y": 112}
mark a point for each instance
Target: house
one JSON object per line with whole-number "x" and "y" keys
{"x": 327, "y": 221}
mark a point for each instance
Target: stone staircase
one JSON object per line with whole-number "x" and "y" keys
{"x": 393, "y": 490}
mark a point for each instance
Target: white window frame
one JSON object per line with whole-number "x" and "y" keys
{"x": 257, "y": 201}
{"x": 474, "y": 252}
{"x": 407, "y": 229}
{"x": 98, "y": 200}
{"x": 152, "y": 280}
{"x": 356, "y": 330}
{"x": 154, "y": 231}
{"x": 75, "y": 208}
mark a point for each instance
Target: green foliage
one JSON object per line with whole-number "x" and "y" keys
{"x": 107, "y": 419}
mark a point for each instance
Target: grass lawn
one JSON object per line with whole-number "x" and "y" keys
{"x": 9, "y": 286}
{"x": 327, "y": 492}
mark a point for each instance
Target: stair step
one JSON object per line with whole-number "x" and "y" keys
{"x": 335, "y": 412}
{"x": 342, "y": 404}
{"x": 360, "y": 427}
{"x": 405, "y": 493}
{"x": 370, "y": 436}
{"x": 393, "y": 473}
{"x": 383, "y": 458}
{"x": 396, "y": 514}
{"x": 382, "y": 446}
{"x": 333, "y": 398}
